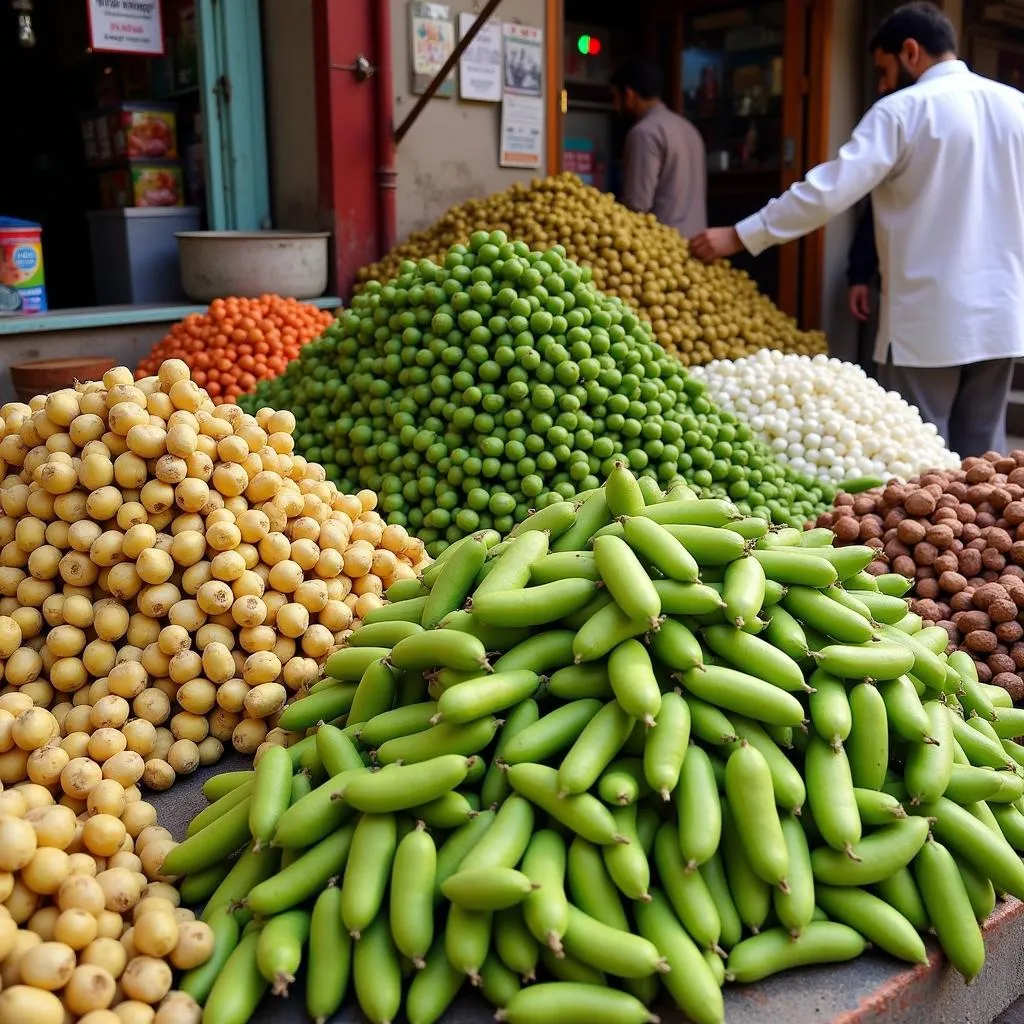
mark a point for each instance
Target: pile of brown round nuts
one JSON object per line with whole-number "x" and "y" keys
{"x": 960, "y": 536}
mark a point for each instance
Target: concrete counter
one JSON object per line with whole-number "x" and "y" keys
{"x": 874, "y": 989}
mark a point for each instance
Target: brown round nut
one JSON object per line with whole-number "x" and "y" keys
{"x": 971, "y": 531}
{"x": 905, "y": 566}
{"x": 946, "y": 562}
{"x": 1017, "y": 653}
{"x": 877, "y": 568}
{"x": 978, "y": 544}
{"x": 945, "y": 515}
{"x": 985, "y": 519}
{"x": 952, "y": 632}
{"x": 999, "y": 498}
{"x": 969, "y": 562}
{"x": 1000, "y": 540}
{"x": 920, "y": 503}
{"x": 925, "y": 553}
{"x": 961, "y": 602}
{"x": 1009, "y": 632}
{"x": 990, "y": 575}
{"x": 952, "y": 582}
{"x": 981, "y": 640}
{"x": 825, "y": 520}
{"x": 1000, "y": 663}
{"x": 969, "y": 622}
{"x": 895, "y": 516}
{"x": 927, "y": 572}
{"x": 863, "y": 504}
{"x": 894, "y": 549}
{"x": 846, "y": 529}
{"x": 1015, "y": 571}
{"x": 927, "y": 609}
{"x": 893, "y": 494}
{"x": 910, "y": 531}
{"x": 990, "y": 592}
{"x": 844, "y": 500}
{"x": 871, "y": 528}
{"x": 980, "y": 472}
{"x": 1003, "y": 610}
{"x": 984, "y": 672}
{"x": 1011, "y": 683}
{"x": 993, "y": 560}
{"x": 939, "y": 534}
{"x": 1017, "y": 552}
{"x": 1006, "y": 465}
{"x": 927, "y": 589}
{"x": 946, "y": 501}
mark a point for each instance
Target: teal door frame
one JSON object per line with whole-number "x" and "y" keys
{"x": 234, "y": 115}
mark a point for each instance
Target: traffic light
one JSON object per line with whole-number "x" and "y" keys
{"x": 588, "y": 45}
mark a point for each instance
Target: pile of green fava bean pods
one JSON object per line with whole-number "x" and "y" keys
{"x": 468, "y": 393}
{"x": 640, "y": 748}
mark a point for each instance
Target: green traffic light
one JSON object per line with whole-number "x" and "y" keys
{"x": 583, "y": 45}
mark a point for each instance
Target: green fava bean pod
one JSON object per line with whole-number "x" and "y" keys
{"x": 579, "y": 682}
{"x": 627, "y": 579}
{"x": 751, "y": 895}
{"x": 665, "y": 746}
{"x": 604, "y": 630}
{"x": 756, "y": 656}
{"x": 817, "y": 610}
{"x": 495, "y": 785}
{"x": 487, "y": 888}
{"x": 518, "y": 950}
{"x": 748, "y": 788}
{"x": 382, "y": 634}
{"x": 438, "y": 648}
{"x": 831, "y": 795}
{"x": 349, "y": 664}
{"x": 199, "y": 982}
{"x": 448, "y": 811}
{"x": 303, "y": 878}
{"x": 485, "y": 695}
{"x": 513, "y": 568}
{"x": 246, "y": 873}
{"x": 467, "y": 939}
{"x": 906, "y": 714}
{"x": 574, "y": 1003}
{"x": 653, "y": 543}
{"x": 219, "y": 807}
{"x": 592, "y": 888}
{"x": 785, "y": 632}
{"x": 407, "y": 608}
{"x": 220, "y": 785}
{"x": 881, "y": 853}
{"x": 375, "y": 693}
{"x": 830, "y": 708}
{"x": 867, "y": 746}
{"x": 533, "y": 606}
{"x": 689, "y": 979}
{"x": 547, "y": 736}
{"x": 875, "y": 919}
{"x": 457, "y": 846}
{"x": 699, "y": 809}
{"x": 877, "y": 661}
{"x": 239, "y": 987}
{"x": 717, "y": 882}
{"x": 743, "y": 590}
{"x": 198, "y": 888}
{"x": 787, "y": 782}
{"x": 367, "y": 870}
{"x": 498, "y": 983}
{"x": 795, "y": 566}
{"x": 775, "y": 950}
{"x": 594, "y": 749}
{"x": 688, "y": 598}
{"x": 401, "y": 786}
{"x": 634, "y": 683}
{"x": 214, "y": 843}
{"x": 623, "y": 492}
{"x": 315, "y": 815}
{"x": 444, "y": 739}
{"x": 929, "y": 765}
{"x": 795, "y": 907}
{"x": 329, "y": 958}
{"x": 494, "y": 638}
{"x": 546, "y": 907}
{"x": 583, "y": 814}
{"x": 622, "y": 954}
{"x": 709, "y": 724}
{"x": 279, "y": 951}
{"x": 272, "y": 787}
{"x": 591, "y": 515}
{"x": 877, "y": 808}
{"x": 980, "y": 890}
{"x": 900, "y": 891}
{"x": 560, "y": 565}
{"x": 627, "y": 862}
{"x": 506, "y": 840}
{"x": 623, "y": 782}
{"x": 454, "y": 582}
{"x": 413, "y": 878}
{"x": 433, "y": 988}
{"x": 542, "y": 653}
{"x": 553, "y": 519}
{"x": 687, "y": 891}
{"x": 400, "y": 721}
{"x": 676, "y": 647}
{"x": 377, "y": 973}
{"x": 745, "y": 694}
{"x": 949, "y": 908}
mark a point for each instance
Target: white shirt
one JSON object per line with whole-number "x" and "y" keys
{"x": 944, "y": 162}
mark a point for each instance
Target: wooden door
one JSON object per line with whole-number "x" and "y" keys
{"x": 806, "y": 71}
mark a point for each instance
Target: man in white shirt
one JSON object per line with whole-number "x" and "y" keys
{"x": 944, "y": 162}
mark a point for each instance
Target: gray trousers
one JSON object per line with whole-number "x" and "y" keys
{"x": 966, "y": 403}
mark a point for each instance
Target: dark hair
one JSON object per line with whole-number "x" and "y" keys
{"x": 643, "y": 76}
{"x": 921, "y": 21}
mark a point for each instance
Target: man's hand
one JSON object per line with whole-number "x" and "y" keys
{"x": 716, "y": 244}
{"x": 860, "y": 301}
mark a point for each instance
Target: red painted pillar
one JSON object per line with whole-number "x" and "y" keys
{"x": 353, "y": 126}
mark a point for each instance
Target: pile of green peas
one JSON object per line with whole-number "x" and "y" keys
{"x": 468, "y": 393}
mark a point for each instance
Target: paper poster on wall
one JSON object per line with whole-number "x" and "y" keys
{"x": 524, "y": 60}
{"x": 126, "y": 26}
{"x": 480, "y": 65}
{"x": 522, "y": 132}
{"x": 432, "y": 39}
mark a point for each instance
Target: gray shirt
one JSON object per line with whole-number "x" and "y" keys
{"x": 665, "y": 171}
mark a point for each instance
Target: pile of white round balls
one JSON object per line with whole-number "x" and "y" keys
{"x": 825, "y": 417}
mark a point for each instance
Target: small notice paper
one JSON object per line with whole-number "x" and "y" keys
{"x": 522, "y": 132}
{"x": 480, "y": 66}
{"x": 126, "y": 26}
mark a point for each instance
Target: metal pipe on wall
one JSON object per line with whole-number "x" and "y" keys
{"x": 387, "y": 174}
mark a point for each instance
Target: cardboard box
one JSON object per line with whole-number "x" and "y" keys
{"x": 144, "y": 184}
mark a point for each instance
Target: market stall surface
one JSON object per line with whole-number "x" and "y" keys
{"x": 871, "y": 990}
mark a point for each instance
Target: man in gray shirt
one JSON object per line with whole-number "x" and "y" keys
{"x": 664, "y": 165}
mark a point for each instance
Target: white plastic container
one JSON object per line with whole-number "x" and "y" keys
{"x": 215, "y": 264}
